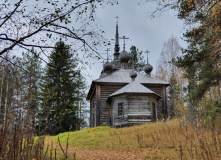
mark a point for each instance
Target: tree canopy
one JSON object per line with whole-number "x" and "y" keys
{"x": 136, "y": 59}
{"x": 202, "y": 58}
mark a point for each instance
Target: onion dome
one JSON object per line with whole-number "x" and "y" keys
{"x": 133, "y": 75}
{"x": 124, "y": 56}
{"x": 148, "y": 68}
{"x": 108, "y": 66}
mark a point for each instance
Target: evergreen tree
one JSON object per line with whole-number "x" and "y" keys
{"x": 202, "y": 58}
{"x": 62, "y": 91}
{"x": 137, "y": 60}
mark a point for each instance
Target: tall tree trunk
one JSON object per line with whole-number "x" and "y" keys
{"x": 2, "y": 90}
{"x": 6, "y": 101}
{"x": 218, "y": 93}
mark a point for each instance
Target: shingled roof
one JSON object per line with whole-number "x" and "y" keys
{"x": 134, "y": 87}
{"x": 122, "y": 76}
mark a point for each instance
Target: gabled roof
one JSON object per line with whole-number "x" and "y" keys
{"x": 122, "y": 76}
{"x": 134, "y": 87}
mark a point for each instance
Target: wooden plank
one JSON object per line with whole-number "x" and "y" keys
{"x": 105, "y": 91}
{"x": 97, "y": 105}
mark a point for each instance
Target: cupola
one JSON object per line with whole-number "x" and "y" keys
{"x": 108, "y": 66}
{"x": 133, "y": 75}
{"x": 124, "y": 58}
{"x": 148, "y": 67}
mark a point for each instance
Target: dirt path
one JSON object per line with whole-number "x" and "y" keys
{"x": 112, "y": 154}
{"x": 108, "y": 154}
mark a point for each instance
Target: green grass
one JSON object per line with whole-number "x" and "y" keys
{"x": 87, "y": 138}
{"x": 174, "y": 139}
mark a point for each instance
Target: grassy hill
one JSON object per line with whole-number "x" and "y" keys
{"x": 174, "y": 139}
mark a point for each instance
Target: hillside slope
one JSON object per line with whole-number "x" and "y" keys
{"x": 161, "y": 140}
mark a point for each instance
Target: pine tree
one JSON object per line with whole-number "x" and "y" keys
{"x": 136, "y": 59}
{"x": 62, "y": 91}
{"x": 202, "y": 58}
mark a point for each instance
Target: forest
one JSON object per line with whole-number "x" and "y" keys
{"x": 43, "y": 89}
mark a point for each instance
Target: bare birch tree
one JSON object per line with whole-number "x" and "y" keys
{"x": 167, "y": 70}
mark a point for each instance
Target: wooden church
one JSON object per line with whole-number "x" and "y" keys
{"x": 121, "y": 97}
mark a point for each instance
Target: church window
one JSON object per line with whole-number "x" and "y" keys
{"x": 120, "y": 109}
{"x": 154, "y": 111}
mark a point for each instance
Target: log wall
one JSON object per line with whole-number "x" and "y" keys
{"x": 106, "y": 90}
{"x": 102, "y": 110}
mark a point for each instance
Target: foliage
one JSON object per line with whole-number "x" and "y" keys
{"x": 136, "y": 59}
{"x": 201, "y": 59}
{"x": 201, "y": 67}
{"x": 62, "y": 91}
{"x": 209, "y": 112}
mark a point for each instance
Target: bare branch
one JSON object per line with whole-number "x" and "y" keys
{"x": 6, "y": 59}
{"x": 9, "y": 16}
{"x": 20, "y": 40}
{"x": 32, "y": 52}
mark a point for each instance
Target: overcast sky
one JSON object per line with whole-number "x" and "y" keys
{"x": 144, "y": 32}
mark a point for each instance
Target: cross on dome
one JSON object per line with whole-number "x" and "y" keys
{"x": 147, "y": 55}
{"x": 124, "y": 40}
{"x": 108, "y": 49}
{"x": 117, "y": 19}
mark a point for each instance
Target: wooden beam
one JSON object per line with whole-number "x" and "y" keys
{"x": 98, "y": 112}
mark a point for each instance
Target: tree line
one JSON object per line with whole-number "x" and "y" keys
{"x": 47, "y": 100}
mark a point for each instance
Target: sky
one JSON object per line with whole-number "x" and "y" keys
{"x": 136, "y": 23}
{"x": 143, "y": 31}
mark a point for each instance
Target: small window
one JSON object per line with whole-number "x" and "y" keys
{"x": 154, "y": 111}
{"x": 120, "y": 109}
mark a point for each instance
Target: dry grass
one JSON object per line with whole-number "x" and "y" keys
{"x": 174, "y": 139}
{"x": 17, "y": 143}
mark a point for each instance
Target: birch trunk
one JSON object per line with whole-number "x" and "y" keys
{"x": 2, "y": 88}
{"x": 6, "y": 100}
